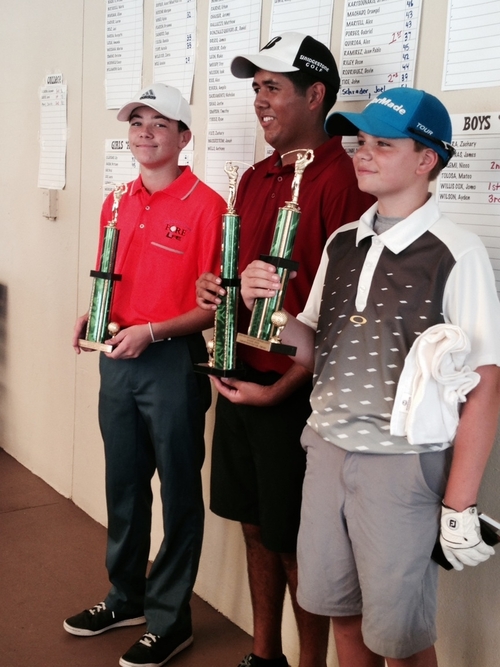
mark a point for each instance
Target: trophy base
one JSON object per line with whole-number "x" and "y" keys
{"x": 219, "y": 372}
{"x": 266, "y": 345}
{"x": 92, "y": 345}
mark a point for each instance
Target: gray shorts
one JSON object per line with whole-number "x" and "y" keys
{"x": 368, "y": 526}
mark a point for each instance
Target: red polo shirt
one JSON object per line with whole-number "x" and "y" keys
{"x": 167, "y": 239}
{"x": 328, "y": 198}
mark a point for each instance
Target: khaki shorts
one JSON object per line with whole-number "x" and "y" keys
{"x": 368, "y": 526}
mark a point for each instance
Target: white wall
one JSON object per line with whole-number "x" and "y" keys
{"x": 48, "y": 404}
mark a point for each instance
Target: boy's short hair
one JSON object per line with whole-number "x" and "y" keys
{"x": 400, "y": 113}
{"x": 304, "y": 80}
{"x": 438, "y": 167}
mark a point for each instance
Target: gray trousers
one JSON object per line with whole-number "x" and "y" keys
{"x": 152, "y": 414}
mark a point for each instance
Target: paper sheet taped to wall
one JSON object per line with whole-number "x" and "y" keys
{"x": 124, "y": 47}
{"x": 310, "y": 18}
{"x": 175, "y": 44}
{"x": 53, "y": 133}
{"x": 468, "y": 189}
{"x": 379, "y": 46}
{"x": 233, "y": 29}
{"x": 472, "y": 45}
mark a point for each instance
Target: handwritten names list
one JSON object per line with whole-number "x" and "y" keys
{"x": 124, "y": 37}
{"x": 469, "y": 188}
{"x": 53, "y": 133}
{"x": 379, "y": 46}
{"x": 175, "y": 44}
{"x": 234, "y": 27}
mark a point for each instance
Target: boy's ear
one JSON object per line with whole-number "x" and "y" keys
{"x": 316, "y": 94}
{"x": 428, "y": 160}
{"x": 184, "y": 138}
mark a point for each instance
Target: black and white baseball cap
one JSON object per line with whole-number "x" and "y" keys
{"x": 290, "y": 52}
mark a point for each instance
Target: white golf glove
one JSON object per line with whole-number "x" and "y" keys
{"x": 461, "y": 538}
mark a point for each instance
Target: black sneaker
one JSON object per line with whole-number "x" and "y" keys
{"x": 252, "y": 660}
{"x": 99, "y": 619}
{"x": 153, "y": 651}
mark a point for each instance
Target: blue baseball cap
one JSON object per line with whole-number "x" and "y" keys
{"x": 400, "y": 113}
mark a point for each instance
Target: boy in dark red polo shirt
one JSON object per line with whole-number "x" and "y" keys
{"x": 257, "y": 462}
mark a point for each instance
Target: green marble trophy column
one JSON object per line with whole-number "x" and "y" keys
{"x": 222, "y": 348}
{"x": 268, "y": 320}
{"x": 99, "y": 328}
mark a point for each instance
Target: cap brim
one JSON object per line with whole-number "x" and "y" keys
{"x": 244, "y": 67}
{"x": 126, "y": 111}
{"x": 347, "y": 124}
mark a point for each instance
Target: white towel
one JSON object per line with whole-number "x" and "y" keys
{"x": 434, "y": 381}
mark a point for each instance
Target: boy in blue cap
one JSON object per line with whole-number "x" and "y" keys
{"x": 375, "y": 496}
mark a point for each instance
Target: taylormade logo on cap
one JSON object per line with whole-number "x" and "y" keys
{"x": 387, "y": 102}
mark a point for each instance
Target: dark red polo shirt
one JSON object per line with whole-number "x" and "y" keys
{"x": 328, "y": 198}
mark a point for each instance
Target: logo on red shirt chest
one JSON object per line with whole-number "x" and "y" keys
{"x": 175, "y": 232}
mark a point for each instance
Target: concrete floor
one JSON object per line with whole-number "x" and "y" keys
{"x": 52, "y": 566}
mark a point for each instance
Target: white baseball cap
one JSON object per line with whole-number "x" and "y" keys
{"x": 167, "y": 100}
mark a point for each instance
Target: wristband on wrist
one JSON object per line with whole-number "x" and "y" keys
{"x": 153, "y": 339}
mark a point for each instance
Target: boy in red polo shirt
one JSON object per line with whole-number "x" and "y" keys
{"x": 151, "y": 404}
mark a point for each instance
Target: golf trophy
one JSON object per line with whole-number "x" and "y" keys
{"x": 222, "y": 347}
{"x": 99, "y": 328}
{"x": 268, "y": 320}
